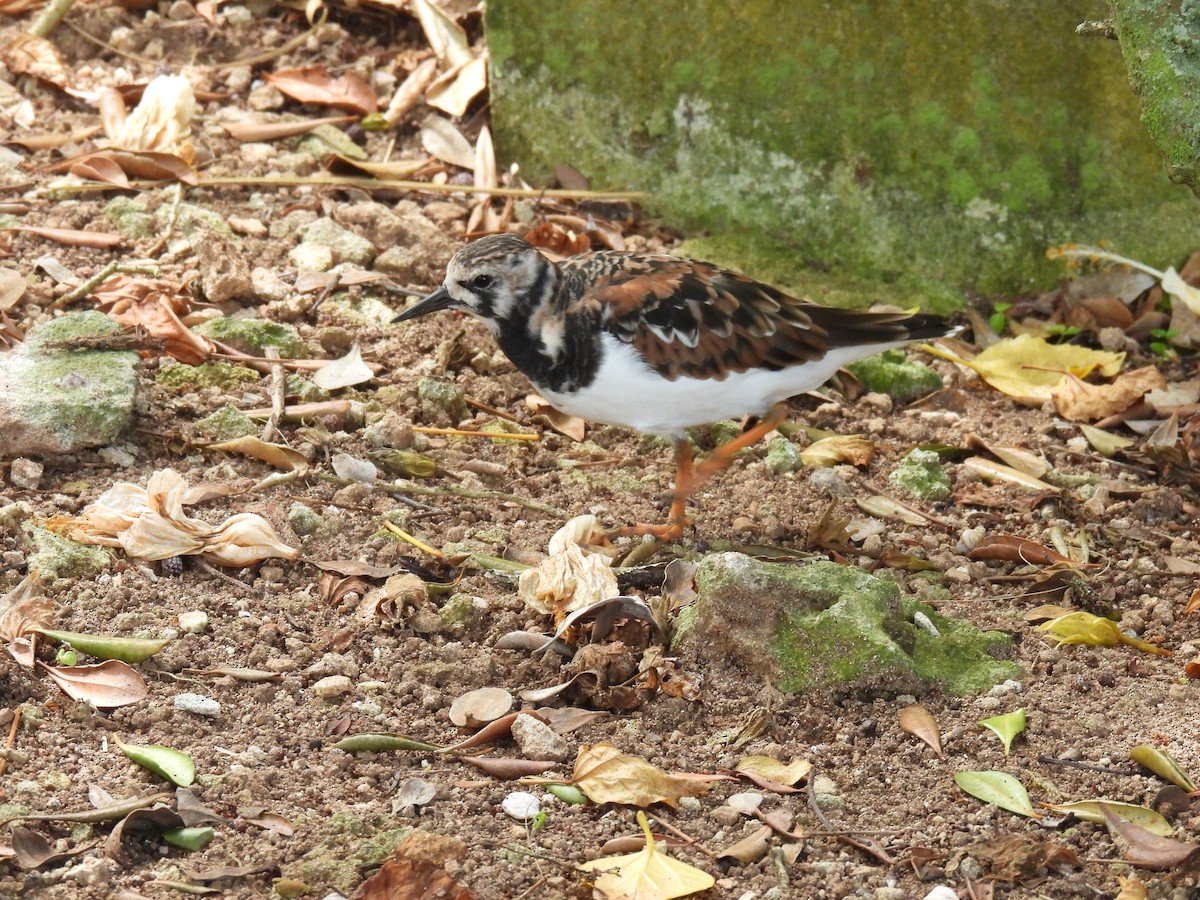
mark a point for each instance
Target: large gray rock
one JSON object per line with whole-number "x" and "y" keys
{"x": 57, "y": 401}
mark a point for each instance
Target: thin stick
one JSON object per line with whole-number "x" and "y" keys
{"x": 371, "y": 184}
{"x": 498, "y": 435}
{"x": 49, "y": 17}
{"x": 420, "y": 545}
{"x": 683, "y": 836}
{"x": 12, "y": 736}
{"x": 490, "y": 410}
{"x": 86, "y": 288}
{"x": 278, "y": 396}
{"x": 229, "y": 579}
{"x": 1075, "y": 764}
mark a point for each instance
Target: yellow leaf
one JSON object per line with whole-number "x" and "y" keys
{"x": 1094, "y": 631}
{"x": 773, "y": 770}
{"x": 607, "y": 775}
{"x": 1028, "y": 367}
{"x": 841, "y": 448}
{"x": 648, "y": 874}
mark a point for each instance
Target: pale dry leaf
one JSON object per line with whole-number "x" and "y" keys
{"x": 150, "y": 523}
{"x": 446, "y": 37}
{"x": 344, "y": 371}
{"x": 162, "y": 120}
{"x": 480, "y": 706}
{"x": 12, "y": 288}
{"x": 442, "y": 140}
{"x": 453, "y": 92}
{"x": 106, "y": 685}
{"x": 485, "y": 164}
{"x": 774, "y": 770}
{"x": 577, "y": 573}
{"x": 648, "y": 874}
{"x": 280, "y": 456}
{"x": 410, "y": 91}
{"x": 37, "y": 57}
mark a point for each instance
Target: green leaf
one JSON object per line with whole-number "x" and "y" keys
{"x": 1006, "y": 727}
{"x": 173, "y": 765}
{"x": 998, "y": 788}
{"x": 1162, "y": 764}
{"x": 382, "y": 743}
{"x": 1089, "y": 811}
{"x": 103, "y": 646}
{"x": 567, "y": 793}
{"x": 192, "y": 839}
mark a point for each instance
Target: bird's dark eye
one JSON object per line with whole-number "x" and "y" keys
{"x": 482, "y": 281}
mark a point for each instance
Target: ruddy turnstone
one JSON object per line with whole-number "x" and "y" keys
{"x": 659, "y": 343}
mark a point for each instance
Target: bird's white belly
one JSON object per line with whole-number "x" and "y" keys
{"x": 627, "y": 392}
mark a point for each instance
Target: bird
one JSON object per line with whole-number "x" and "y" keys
{"x": 659, "y": 344}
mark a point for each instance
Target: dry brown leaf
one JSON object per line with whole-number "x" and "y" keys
{"x": 441, "y": 139}
{"x": 1009, "y": 548}
{"x": 154, "y": 304}
{"x": 1018, "y": 857}
{"x": 280, "y": 456}
{"x": 572, "y": 426}
{"x": 100, "y": 167}
{"x": 98, "y": 240}
{"x": 1078, "y": 401}
{"x": 607, "y": 775}
{"x": 919, "y": 722}
{"x": 248, "y": 130}
{"x": 106, "y": 685}
{"x": 453, "y": 92}
{"x": 1144, "y": 848}
{"x": 773, "y": 770}
{"x": 415, "y": 872}
{"x": 317, "y": 85}
{"x": 27, "y": 54}
{"x": 12, "y": 288}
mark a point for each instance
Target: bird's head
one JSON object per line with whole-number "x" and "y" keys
{"x": 492, "y": 278}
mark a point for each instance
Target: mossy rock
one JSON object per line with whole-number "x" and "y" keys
{"x": 820, "y": 625}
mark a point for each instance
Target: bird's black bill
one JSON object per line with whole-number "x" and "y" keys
{"x": 439, "y": 299}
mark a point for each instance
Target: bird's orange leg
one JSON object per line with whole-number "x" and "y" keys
{"x": 723, "y": 455}
{"x": 677, "y": 518}
{"x": 688, "y": 477}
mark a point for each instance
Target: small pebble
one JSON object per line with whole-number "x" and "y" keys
{"x": 193, "y": 622}
{"x": 25, "y": 474}
{"x": 746, "y": 801}
{"x": 521, "y": 805}
{"x": 332, "y": 686}
{"x": 197, "y": 704}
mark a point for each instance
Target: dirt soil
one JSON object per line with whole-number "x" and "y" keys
{"x": 269, "y": 746}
